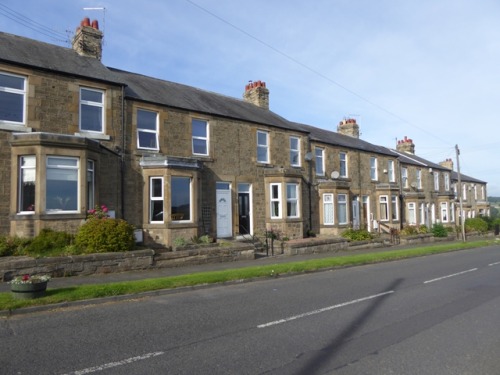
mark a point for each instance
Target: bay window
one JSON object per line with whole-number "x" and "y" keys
{"x": 27, "y": 179}
{"x": 328, "y": 212}
{"x": 180, "y": 198}
{"x": 275, "y": 199}
{"x": 156, "y": 198}
{"x": 292, "y": 200}
{"x": 62, "y": 184}
{"x": 342, "y": 208}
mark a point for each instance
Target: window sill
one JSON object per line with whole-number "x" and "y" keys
{"x": 15, "y": 128}
{"x": 101, "y": 137}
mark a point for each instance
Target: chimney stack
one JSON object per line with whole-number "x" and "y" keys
{"x": 448, "y": 163}
{"x": 257, "y": 93}
{"x": 406, "y": 145}
{"x": 348, "y": 127}
{"x": 88, "y": 39}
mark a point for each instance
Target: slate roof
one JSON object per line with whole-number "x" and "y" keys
{"x": 32, "y": 53}
{"x": 337, "y": 139}
{"x": 176, "y": 95}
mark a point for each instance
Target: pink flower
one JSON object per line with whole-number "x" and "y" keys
{"x": 105, "y": 209}
{"x": 91, "y": 211}
{"x": 26, "y": 277}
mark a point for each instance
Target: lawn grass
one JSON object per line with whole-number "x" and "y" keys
{"x": 85, "y": 292}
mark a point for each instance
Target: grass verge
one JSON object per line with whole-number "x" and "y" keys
{"x": 85, "y": 292}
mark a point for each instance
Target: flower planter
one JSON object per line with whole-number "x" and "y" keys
{"x": 28, "y": 290}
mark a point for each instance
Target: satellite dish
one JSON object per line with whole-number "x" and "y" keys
{"x": 308, "y": 156}
{"x": 335, "y": 175}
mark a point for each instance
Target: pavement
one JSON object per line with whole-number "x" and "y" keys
{"x": 65, "y": 282}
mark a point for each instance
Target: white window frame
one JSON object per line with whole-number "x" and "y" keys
{"x": 23, "y": 168}
{"x": 404, "y": 177}
{"x": 90, "y": 184}
{"x": 12, "y": 90}
{"x": 419, "y": 178}
{"x": 93, "y": 104}
{"x": 373, "y": 168}
{"x": 153, "y": 198}
{"x": 342, "y": 202}
{"x": 205, "y": 139}
{"x": 475, "y": 192}
{"x": 390, "y": 171}
{"x": 319, "y": 156}
{"x": 447, "y": 181}
{"x": 191, "y": 201}
{"x": 436, "y": 181}
{"x": 422, "y": 213}
{"x": 150, "y": 131}
{"x": 444, "y": 212}
{"x": 275, "y": 200}
{"x": 76, "y": 168}
{"x": 328, "y": 209}
{"x": 452, "y": 212}
{"x": 384, "y": 207}
{"x": 464, "y": 191}
{"x": 292, "y": 201}
{"x": 263, "y": 146}
{"x": 295, "y": 151}
{"x": 343, "y": 170}
{"x": 394, "y": 208}
{"x": 412, "y": 213}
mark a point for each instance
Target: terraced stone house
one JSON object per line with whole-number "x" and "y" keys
{"x": 177, "y": 161}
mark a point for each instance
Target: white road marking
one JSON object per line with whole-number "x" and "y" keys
{"x": 115, "y": 364}
{"x": 265, "y": 325}
{"x": 494, "y": 264}
{"x": 447, "y": 276}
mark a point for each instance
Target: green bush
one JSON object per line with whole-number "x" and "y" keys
{"x": 476, "y": 224}
{"x": 102, "y": 235}
{"x": 409, "y": 230}
{"x": 422, "y": 229}
{"x": 439, "y": 230}
{"x": 12, "y": 245}
{"x": 48, "y": 241}
{"x": 357, "y": 235}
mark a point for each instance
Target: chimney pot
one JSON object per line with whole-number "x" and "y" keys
{"x": 95, "y": 24}
{"x": 85, "y": 22}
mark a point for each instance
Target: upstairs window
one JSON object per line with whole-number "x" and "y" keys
{"x": 199, "y": 130}
{"x": 91, "y": 110}
{"x": 436, "y": 181}
{"x": 294, "y": 151}
{"x": 404, "y": 177}
{"x": 262, "y": 146}
{"x": 320, "y": 161}
{"x": 373, "y": 169}
{"x": 447, "y": 181}
{"x": 12, "y": 99}
{"x": 390, "y": 171}
{"x": 147, "y": 130}
{"x": 419, "y": 179}
{"x": 343, "y": 164}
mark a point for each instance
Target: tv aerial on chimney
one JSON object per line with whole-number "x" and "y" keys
{"x": 103, "y": 9}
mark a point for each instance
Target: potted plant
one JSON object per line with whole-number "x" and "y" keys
{"x": 28, "y": 287}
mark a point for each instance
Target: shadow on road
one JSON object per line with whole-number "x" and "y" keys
{"x": 314, "y": 364}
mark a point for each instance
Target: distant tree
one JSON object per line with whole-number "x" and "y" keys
{"x": 494, "y": 213}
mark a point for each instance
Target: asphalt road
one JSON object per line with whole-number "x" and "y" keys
{"x": 432, "y": 315}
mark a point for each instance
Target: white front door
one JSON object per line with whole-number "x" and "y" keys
{"x": 224, "y": 214}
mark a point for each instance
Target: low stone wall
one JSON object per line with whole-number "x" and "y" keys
{"x": 79, "y": 265}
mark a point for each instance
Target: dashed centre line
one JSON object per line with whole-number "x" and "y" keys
{"x": 115, "y": 364}
{"x": 448, "y": 276}
{"x": 314, "y": 312}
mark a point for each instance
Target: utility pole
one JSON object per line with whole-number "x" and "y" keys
{"x": 460, "y": 194}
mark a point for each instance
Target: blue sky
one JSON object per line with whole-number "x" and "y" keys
{"x": 426, "y": 69}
